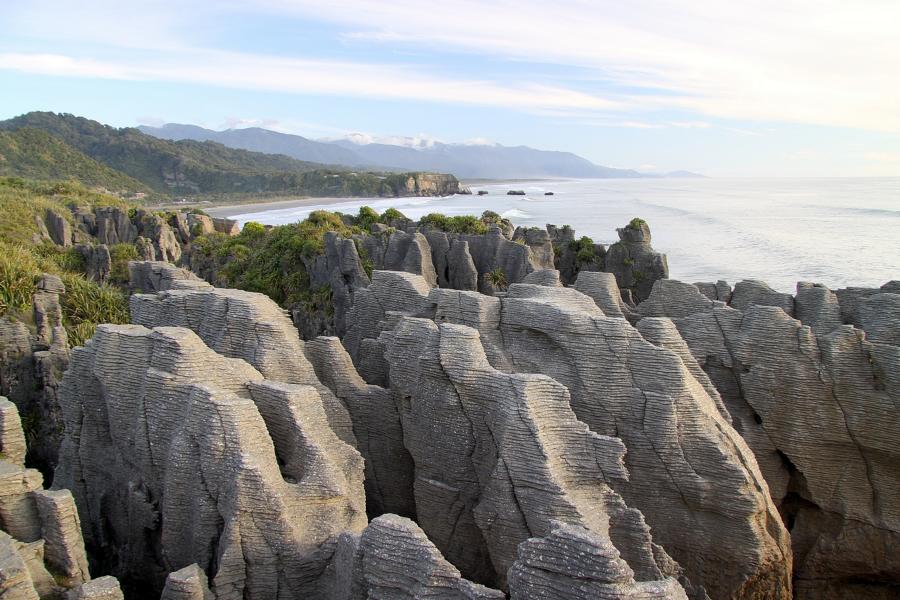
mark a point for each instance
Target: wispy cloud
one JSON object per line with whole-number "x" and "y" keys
{"x": 260, "y": 72}
{"x": 825, "y": 62}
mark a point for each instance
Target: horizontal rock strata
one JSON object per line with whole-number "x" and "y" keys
{"x": 172, "y": 453}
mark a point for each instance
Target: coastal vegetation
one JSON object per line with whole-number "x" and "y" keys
{"x": 23, "y": 258}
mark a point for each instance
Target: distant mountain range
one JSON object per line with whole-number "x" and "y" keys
{"x": 51, "y": 146}
{"x": 469, "y": 161}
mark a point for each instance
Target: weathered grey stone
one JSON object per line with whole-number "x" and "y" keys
{"x": 102, "y": 588}
{"x": 462, "y": 274}
{"x": 410, "y": 252}
{"x": 155, "y": 229}
{"x": 673, "y": 299}
{"x": 145, "y": 249}
{"x": 61, "y": 530}
{"x": 12, "y": 439}
{"x": 47, "y": 308}
{"x": 59, "y": 228}
{"x": 879, "y": 317}
{"x": 33, "y": 555}
{"x": 179, "y": 224}
{"x": 114, "y": 226}
{"x": 498, "y": 456}
{"x": 376, "y": 424}
{"x": 750, "y": 292}
{"x": 817, "y": 307}
{"x": 172, "y": 462}
{"x": 391, "y": 291}
{"x": 18, "y": 512}
{"x": 226, "y": 226}
{"x": 97, "y": 261}
{"x": 188, "y": 583}
{"x": 602, "y": 288}
{"x": 575, "y": 563}
{"x": 396, "y": 561}
{"x": 244, "y": 325}
{"x": 634, "y": 262}
{"x": 200, "y": 224}
{"x": 686, "y": 462}
{"x": 157, "y": 276}
{"x": 548, "y": 277}
{"x": 824, "y": 405}
{"x": 15, "y": 579}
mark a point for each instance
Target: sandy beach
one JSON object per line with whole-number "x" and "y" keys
{"x": 229, "y": 210}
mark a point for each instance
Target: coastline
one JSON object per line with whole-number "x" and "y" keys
{"x": 229, "y": 210}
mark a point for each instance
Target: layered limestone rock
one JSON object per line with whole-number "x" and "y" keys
{"x": 114, "y": 226}
{"x": 177, "y": 455}
{"x": 243, "y": 325}
{"x": 59, "y": 228}
{"x": 150, "y": 276}
{"x": 155, "y": 229}
{"x": 499, "y": 456}
{"x": 822, "y": 402}
{"x": 686, "y": 461}
{"x": 604, "y": 291}
{"x": 376, "y": 425}
{"x": 390, "y": 292}
{"x": 31, "y": 367}
{"x": 683, "y": 455}
{"x": 634, "y": 262}
{"x": 752, "y": 292}
{"x": 574, "y": 562}
{"x": 97, "y": 261}
{"x": 41, "y": 532}
{"x": 102, "y": 588}
{"x": 189, "y": 583}
{"x": 394, "y": 559}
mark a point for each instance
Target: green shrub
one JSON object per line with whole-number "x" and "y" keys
{"x": 585, "y": 251}
{"x": 87, "y": 304}
{"x": 636, "y": 223}
{"x": 18, "y": 272}
{"x": 491, "y": 218}
{"x": 366, "y": 217}
{"x": 120, "y": 255}
{"x": 497, "y": 278}
{"x": 435, "y": 221}
{"x": 392, "y": 214}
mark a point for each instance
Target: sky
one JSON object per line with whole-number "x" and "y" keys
{"x": 746, "y": 89}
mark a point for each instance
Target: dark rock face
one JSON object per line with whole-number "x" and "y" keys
{"x": 634, "y": 262}
{"x": 31, "y": 368}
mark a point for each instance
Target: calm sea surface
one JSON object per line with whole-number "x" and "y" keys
{"x": 838, "y": 232}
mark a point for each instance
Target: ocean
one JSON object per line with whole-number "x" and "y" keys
{"x": 838, "y": 232}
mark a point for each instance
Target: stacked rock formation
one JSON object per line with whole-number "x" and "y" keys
{"x": 815, "y": 398}
{"x": 238, "y": 324}
{"x": 31, "y": 367}
{"x": 42, "y": 552}
{"x": 177, "y": 455}
{"x": 684, "y": 457}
